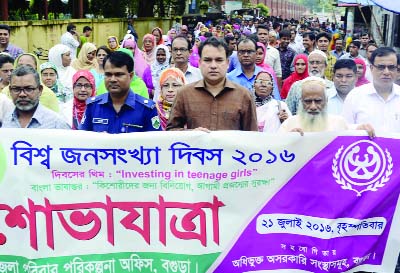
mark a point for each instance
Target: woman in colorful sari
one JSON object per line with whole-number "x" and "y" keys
{"x": 260, "y": 56}
{"x": 138, "y": 59}
{"x": 149, "y": 48}
{"x": 86, "y": 58}
{"x": 84, "y": 88}
{"x": 112, "y": 43}
{"x": 270, "y": 112}
{"x": 158, "y": 34}
{"x": 171, "y": 80}
{"x": 98, "y": 72}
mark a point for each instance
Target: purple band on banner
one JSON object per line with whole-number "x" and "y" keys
{"x": 333, "y": 215}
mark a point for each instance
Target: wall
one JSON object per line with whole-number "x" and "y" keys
{"x": 379, "y": 14}
{"x": 46, "y": 33}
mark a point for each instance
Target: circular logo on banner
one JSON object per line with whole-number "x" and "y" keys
{"x": 3, "y": 163}
{"x": 362, "y": 166}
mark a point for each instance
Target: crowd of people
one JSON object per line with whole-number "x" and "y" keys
{"x": 253, "y": 75}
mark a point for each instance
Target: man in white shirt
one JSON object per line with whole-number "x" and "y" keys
{"x": 71, "y": 39}
{"x": 6, "y": 105}
{"x": 317, "y": 63}
{"x": 181, "y": 48}
{"x": 312, "y": 115}
{"x": 354, "y": 47}
{"x": 377, "y": 103}
{"x": 344, "y": 79}
{"x": 272, "y": 57}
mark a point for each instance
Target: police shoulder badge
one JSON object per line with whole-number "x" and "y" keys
{"x": 155, "y": 122}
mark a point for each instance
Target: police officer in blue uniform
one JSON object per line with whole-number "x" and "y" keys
{"x": 120, "y": 110}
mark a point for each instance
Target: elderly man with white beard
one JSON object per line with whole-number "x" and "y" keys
{"x": 317, "y": 63}
{"x": 312, "y": 114}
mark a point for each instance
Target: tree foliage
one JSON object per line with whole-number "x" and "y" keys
{"x": 264, "y": 10}
{"x": 109, "y": 9}
{"x": 18, "y": 9}
{"x": 57, "y": 7}
{"x": 103, "y": 8}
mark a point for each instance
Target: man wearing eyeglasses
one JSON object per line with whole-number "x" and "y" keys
{"x": 214, "y": 103}
{"x": 25, "y": 91}
{"x": 246, "y": 73}
{"x": 181, "y": 49}
{"x": 377, "y": 103}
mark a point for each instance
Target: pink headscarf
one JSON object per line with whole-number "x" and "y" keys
{"x": 265, "y": 66}
{"x": 161, "y": 41}
{"x": 363, "y": 80}
{"x": 79, "y": 107}
{"x": 150, "y": 55}
{"x": 138, "y": 59}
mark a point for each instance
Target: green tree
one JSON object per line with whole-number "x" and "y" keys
{"x": 264, "y": 10}
{"x": 57, "y": 7}
{"x": 73, "y": 7}
{"x": 146, "y": 8}
{"x": 18, "y": 9}
{"x": 109, "y": 9}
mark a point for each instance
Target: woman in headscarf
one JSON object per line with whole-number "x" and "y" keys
{"x": 361, "y": 70}
{"x": 86, "y": 58}
{"x": 84, "y": 88}
{"x": 98, "y": 72}
{"x": 260, "y": 57}
{"x": 194, "y": 56}
{"x": 197, "y": 29}
{"x": 151, "y": 75}
{"x": 171, "y": 34}
{"x": 60, "y": 56}
{"x": 300, "y": 72}
{"x": 171, "y": 79}
{"x": 47, "y": 98}
{"x": 149, "y": 48}
{"x": 270, "y": 112}
{"x": 112, "y": 43}
{"x": 349, "y": 40}
{"x": 138, "y": 59}
{"x": 158, "y": 35}
{"x": 48, "y": 72}
{"x": 137, "y": 85}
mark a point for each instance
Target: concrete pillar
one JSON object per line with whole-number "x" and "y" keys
{"x": 350, "y": 22}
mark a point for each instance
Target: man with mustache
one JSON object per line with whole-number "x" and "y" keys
{"x": 25, "y": 90}
{"x": 344, "y": 79}
{"x": 119, "y": 110}
{"x": 377, "y": 102}
{"x": 312, "y": 114}
{"x": 317, "y": 63}
{"x": 214, "y": 103}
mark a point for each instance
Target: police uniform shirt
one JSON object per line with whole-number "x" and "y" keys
{"x": 138, "y": 114}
